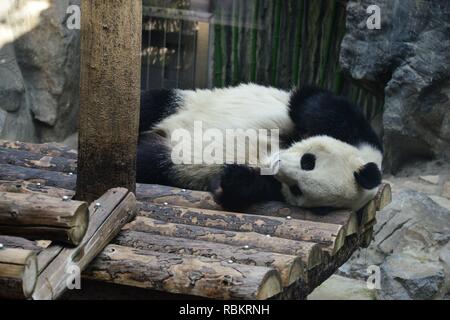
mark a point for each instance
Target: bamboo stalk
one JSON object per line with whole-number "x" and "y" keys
{"x": 218, "y": 64}
{"x": 298, "y": 46}
{"x": 235, "y": 43}
{"x": 329, "y": 27}
{"x": 276, "y": 43}
{"x": 254, "y": 42}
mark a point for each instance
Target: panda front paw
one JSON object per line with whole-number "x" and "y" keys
{"x": 234, "y": 189}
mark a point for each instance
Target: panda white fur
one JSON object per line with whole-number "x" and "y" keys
{"x": 329, "y": 155}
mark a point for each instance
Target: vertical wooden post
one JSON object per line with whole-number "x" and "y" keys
{"x": 109, "y": 96}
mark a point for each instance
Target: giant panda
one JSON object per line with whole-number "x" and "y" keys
{"x": 327, "y": 156}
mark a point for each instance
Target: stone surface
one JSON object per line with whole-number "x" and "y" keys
{"x": 411, "y": 247}
{"x": 342, "y": 288}
{"x": 39, "y": 71}
{"x": 430, "y": 179}
{"x": 446, "y": 190}
{"x": 408, "y": 63}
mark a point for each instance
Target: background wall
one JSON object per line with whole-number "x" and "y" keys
{"x": 39, "y": 68}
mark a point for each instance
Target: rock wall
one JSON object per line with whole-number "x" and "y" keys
{"x": 39, "y": 71}
{"x": 411, "y": 247}
{"x": 407, "y": 61}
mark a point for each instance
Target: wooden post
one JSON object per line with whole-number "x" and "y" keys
{"x": 109, "y": 96}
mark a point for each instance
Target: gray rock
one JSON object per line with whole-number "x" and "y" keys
{"x": 406, "y": 276}
{"x": 408, "y": 63}
{"x": 342, "y": 288}
{"x": 411, "y": 247}
{"x": 3, "y": 114}
{"x": 12, "y": 86}
{"x": 39, "y": 85}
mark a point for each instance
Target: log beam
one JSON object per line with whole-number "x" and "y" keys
{"x": 384, "y": 196}
{"x": 198, "y": 276}
{"x": 18, "y": 273}
{"x": 203, "y": 200}
{"x": 35, "y": 160}
{"x": 291, "y": 268}
{"x": 44, "y": 149}
{"x": 330, "y": 236}
{"x": 309, "y": 252}
{"x": 35, "y": 216}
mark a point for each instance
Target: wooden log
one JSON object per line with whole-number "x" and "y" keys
{"x": 175, "y": 196}
{"x": 18, "y": 273}
{"x": 45, "y": 149}
{"x": 204, "y": 200}
{"x": 184, "y": 198}
{"x": 291, "y": 268}
{"x": 48, "y": 178}
{"x": 384, "y": 196}
{"x": 366, "y": 237}
{"x": 117, "y": 207}
{"x": 29, "y": 187}
{"x": 198, "y": 276}
{"x": 35, "y": 216}
{"x": 330, "y": 236}
{"x": 368, "y": 213}
{"x": 309, "y": 252}
{"x": 322, "y": 272}
{"x": 110, "y": 78}
{"x": 19, "y": 243}
{"x": 35, "y": 160}
{"x": 193, "y": 199}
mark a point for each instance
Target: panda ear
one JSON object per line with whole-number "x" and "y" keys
{"x": 369, "y": 176}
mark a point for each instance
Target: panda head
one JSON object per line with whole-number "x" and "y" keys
{"x": 324, "y": 172}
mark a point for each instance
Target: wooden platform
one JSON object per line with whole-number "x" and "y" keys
{"x": 181, "y": 241}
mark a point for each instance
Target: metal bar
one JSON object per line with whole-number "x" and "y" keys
{"x": 179, "y": 53}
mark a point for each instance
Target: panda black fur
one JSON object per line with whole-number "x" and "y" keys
{"x": 329, "y": 157}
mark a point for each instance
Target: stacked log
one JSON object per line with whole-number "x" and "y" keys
{"x": 183, "y": 274}
{"x": 290, "y": 267}
{"x": 183, "y": 236}
{"x": 35, "y": 216}
{"x": 57, "y": 264}
{"x": 18, "y": 273}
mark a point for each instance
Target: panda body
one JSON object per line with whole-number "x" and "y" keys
{"x": 322, "y": 154}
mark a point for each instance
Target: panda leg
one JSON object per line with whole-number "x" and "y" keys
{"x": 239, "y": 187}
{"x": 154, "y": 164}
{"x": 156, "y": 105}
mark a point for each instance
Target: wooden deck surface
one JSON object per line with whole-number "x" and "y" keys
{"x": 182, "y": 242}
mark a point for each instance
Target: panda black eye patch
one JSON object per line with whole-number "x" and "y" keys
{"x": 308, "y": 162}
